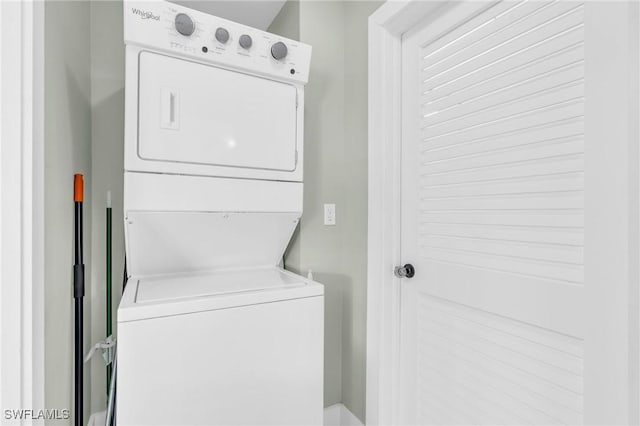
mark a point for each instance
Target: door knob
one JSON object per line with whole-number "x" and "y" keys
{"x": 406, "y": 271}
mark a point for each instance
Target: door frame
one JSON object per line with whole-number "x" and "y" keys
{"x": 386, "y": 26}
{"x": 612, "y": 397}
{"x": 22, "y": 212}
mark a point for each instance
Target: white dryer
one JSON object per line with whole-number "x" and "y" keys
{"x": 211, "y": 330}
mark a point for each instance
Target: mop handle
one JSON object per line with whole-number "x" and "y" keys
{"x": 78, "y": 294}
{"x": 78, "y": 188}
{"x": 78, "y": 266}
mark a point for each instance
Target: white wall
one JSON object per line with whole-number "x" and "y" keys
{"x": 335, "y": 172}
{"x": 67, "y": 151}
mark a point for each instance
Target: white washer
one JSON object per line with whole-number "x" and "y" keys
{"x": 221, "y": 348}
{"x": 211, "y": 330}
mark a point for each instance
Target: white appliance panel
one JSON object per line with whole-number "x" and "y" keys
{"x": 152, "y": 24}
{"x": 258, "y": 364}
{"x": 165, "y": 192}
{"x": 178, "y": 242}
{"x": 201, "y": 114}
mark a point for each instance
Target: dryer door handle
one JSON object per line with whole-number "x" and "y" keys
{"x": 169, "y": 109}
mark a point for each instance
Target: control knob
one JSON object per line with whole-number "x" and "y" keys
{"x": 279, "y": 50}
{"x": 184, "y": 24}
{"x": 245, "y": 41}
{"x": 222, "y": 35}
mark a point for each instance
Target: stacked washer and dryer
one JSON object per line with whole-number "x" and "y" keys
{"x": 211, "y": 329}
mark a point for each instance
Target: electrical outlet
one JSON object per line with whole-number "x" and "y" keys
{"x": 329, "y": 214}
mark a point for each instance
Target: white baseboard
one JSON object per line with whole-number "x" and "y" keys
{"x": 339, "y": 415}
{"x": 334, "y": 415}
{"x": 98, "y": 419}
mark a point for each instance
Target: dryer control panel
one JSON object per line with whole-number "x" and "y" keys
{"x": 194, "y": 34}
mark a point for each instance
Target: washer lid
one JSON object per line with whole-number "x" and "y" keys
{"x": 160, "y": 296}
{"x": 169, "y": 288}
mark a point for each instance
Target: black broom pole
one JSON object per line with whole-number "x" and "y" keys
{"x": 78, "y": 294}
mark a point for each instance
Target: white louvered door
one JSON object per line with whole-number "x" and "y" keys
{"x": 492, "y": 324}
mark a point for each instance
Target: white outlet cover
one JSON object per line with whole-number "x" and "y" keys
{"x": 329, "y": 214}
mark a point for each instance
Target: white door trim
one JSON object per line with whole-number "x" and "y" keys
{"x": 22, "y": 206}
{"x": 611, "y": 212}
{"x": 386, "y": 27}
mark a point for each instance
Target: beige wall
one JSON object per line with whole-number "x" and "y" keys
{"x": 316, "y": 246}
{"x": 67, "y": 151}
{"x": 287, "y": 22}
{"x": 335, "y": 172}
{"x": 355, "y": 210}
{"x": 84, "y": 122}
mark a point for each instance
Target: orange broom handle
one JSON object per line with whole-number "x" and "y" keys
{"x": 78, "y": 188}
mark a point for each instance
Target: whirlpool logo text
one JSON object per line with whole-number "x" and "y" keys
{"x": 144, "y": 14}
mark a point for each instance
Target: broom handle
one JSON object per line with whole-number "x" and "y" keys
{"x": 109, "y": 367}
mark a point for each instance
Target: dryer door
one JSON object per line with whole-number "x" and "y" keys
{"x": 199, "y": 114}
